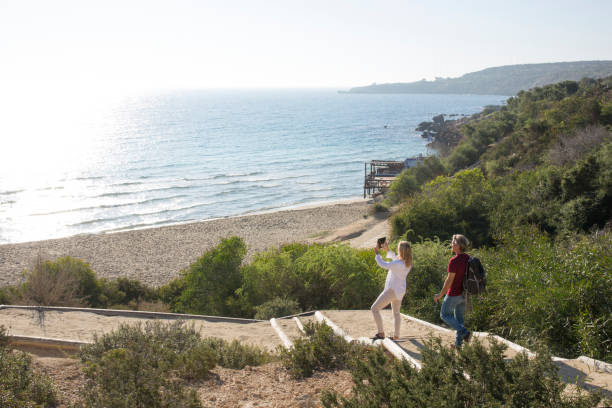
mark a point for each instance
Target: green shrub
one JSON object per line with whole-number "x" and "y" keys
{"x": 277, "y": 307}
{"x": 20, "y": 385}
{"x": 380, "y": 208}
{"x": 125, "y": 378}
{"x": 411, "y": 179}
{"x": 447, "y": 206}
{"x": 210, "y": 282}
{"x": 5, "y": 296}
{"x": 334, "y": 276}
{"x": 404, "y": 185}
{"x": 125, "y": 292}
{"x": 557, "y": 292}
{"x": 270, "y": 275}
{"x": 319, "y": 349}
{"x": 490, "y": 381}
{"x": 146, "y": 366}
{"x": 235, "y": 354}
{"x": 606, "y": 113}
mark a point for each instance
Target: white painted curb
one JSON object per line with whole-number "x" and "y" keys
{"x": 299, "y": 324}
{"x": 596, "y": 364}
{"x": 423, "y": 322}
{"x": 387, "y": 343}
{"x": 286, "y": 342}
{"x": 322, "y": 318}
{"x": 399, "y": 353}
{"x": 46, "y": 342}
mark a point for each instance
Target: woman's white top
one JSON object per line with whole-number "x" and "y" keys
{"x": 396, "y": 277}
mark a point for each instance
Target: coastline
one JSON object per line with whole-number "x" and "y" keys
{"x": 154, "y": 256}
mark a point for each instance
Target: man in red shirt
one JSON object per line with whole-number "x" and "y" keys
{"x": 453, "y": 306}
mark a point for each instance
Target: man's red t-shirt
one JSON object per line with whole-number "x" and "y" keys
{"x": 457, "y": 265}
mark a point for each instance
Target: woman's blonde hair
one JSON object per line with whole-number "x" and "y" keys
{"x": 462, "y": 241}
{"x": 405, "y": 252}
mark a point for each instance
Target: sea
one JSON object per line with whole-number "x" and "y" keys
{"x": 77, "y": 166}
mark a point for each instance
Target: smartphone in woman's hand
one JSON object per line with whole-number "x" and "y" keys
{"x": 381, "y": 241}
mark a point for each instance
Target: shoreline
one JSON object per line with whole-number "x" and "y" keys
{"x": 156, "y": 255}
{"x": 247, "y": 214}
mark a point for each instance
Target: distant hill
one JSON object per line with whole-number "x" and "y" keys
{"x": 505, "y": 80}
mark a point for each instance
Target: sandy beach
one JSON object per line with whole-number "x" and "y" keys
{"x": 156, "y": 255}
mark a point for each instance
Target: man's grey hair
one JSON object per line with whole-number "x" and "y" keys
{"x": 462, "y": 241}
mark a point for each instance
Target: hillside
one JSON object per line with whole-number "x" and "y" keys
{"x": 504, "y": 80}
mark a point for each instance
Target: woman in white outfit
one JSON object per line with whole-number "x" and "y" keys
{"x": 395, "y": 285}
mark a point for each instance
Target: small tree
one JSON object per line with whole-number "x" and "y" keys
{"x": 210, "y": 282}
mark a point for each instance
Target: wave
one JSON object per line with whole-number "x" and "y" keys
{"x": 88, "y": 178}
{"x": 106, "y": 206}
{"x": 252, "y": 173}
{"x": 11, "y": 192}
{"x": 50, "y": 188}
{"x": 226, "y": 183}
{"x": 145, "y": 214}
{"x": 145, "y": 225}
{"x": 196, "y": 178}
{"x": 127, "y": 183}
{"x": 315, "y": 190}
{"x": 123, "y": 193}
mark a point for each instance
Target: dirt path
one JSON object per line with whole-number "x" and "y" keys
{"x": 81, "y": 326}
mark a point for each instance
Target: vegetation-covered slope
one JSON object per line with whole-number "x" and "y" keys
{"x": 538, "y": 194}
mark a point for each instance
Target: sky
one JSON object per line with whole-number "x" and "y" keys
{"x": 133, "y": 45}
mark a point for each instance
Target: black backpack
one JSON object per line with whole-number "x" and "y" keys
{"x": 474, "y": 279}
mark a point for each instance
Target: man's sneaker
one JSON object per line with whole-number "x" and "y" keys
{"x": 467, "y": 336}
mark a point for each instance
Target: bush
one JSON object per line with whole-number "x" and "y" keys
{"x": 57, "y": 283}
{"x": 235, "y": 354}
{"x": 69, "y": 281}
{"x": 320, "y": 349}
{"x": 20, "y": 385}
{"x": 570, "y": 149}
{"x": 556, "y": 292}
{"x": 210, "y": 282}
{"x": 447, "y": 206}
{"x": 277, "y": 307}
{"x": 5, "y": 296}
{"x": 122, "y": 292}
{"x": 404, "y": 185}
{"x": 411, "y": 179}
{"x": 146, "y": 366}
{"x": 490, "y": 381}
{"x": 334, "y": 276}
{"x": 380, "y": 208}
{"x": 271, "y": 275}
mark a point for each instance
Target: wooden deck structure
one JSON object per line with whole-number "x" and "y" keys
{"x": 383, "y": 172}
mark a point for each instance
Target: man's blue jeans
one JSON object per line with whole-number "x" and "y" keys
{"x": 452, "y": 311}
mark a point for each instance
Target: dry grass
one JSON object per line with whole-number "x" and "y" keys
{"x": 45, "y": 287}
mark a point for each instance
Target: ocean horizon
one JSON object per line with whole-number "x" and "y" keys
{"x": 80, "y": 166}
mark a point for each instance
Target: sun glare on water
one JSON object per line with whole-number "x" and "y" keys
{"x": 48, "y": 141}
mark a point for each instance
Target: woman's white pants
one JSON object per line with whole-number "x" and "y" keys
{"x": 386, "y": 297}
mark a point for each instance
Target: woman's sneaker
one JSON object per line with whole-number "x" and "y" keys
{"x": 467, "y": 336}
